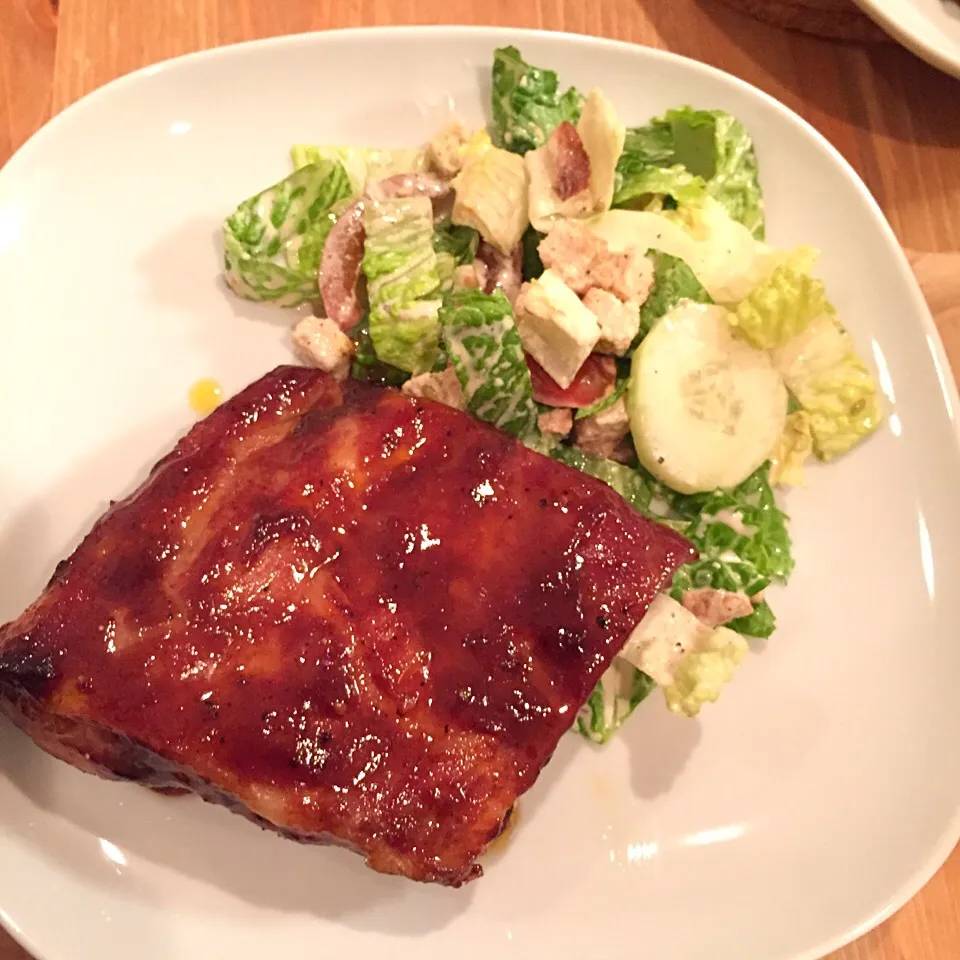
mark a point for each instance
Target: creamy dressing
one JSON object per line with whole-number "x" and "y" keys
{"x": 734, "y": 520}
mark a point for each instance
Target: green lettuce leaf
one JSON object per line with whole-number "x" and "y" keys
{"x": 532, "y": 264}
{"x": 403, "y": 282}
{"x": 273, "y": 241}
{"x": 526, "y": 103}
{"x": 651, "y": 145}
{"x": 741, "y": 536}
{"x": 779, "y": 308}
{"x": 743, "y": 541}
{"x": 483, "y": 345}
{"x": 363, "y": 163}
{"x": 762, "y": 539}
{"x": 730, "y": 573}
{"x": 446, "y": 264}
{"x": 704, "y": 672}
{"x": 832, "y": 385}
{"x": 761, "y": 623}
{"x": 716, "y": 146}
{"x": 618, "y": 693}
{"x": 673, "y": 281}
{"x": 636, "y": 182}
{"x": 712, "y": 147}
{"x": 367, "y": 366}
{"x": 459, "y": 241}
{"x": 637, "y": 487}
{"x": 646, "y": 168}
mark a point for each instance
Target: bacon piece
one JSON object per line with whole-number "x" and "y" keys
{"x": 504, "y": 271}
{"x": 603, "y": 434}
{"x": 569, "y": 162}
{"x": 340, "y": 268}
{"x": 353, "y": 616}
{"x": 558, "y": 422}
{"x": 715, "y": 607}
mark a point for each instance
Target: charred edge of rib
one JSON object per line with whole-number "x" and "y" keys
{"x": 28, "y": 672}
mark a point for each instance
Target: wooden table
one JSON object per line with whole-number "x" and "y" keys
{"x": 896, "y": 120}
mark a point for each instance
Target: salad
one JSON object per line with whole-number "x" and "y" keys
{"x": 606, "y": 295}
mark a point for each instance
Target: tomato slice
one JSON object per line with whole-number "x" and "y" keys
{"x": 595, "y": 379}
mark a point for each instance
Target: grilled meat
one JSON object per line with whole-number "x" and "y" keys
{"x": 354, "y": 616}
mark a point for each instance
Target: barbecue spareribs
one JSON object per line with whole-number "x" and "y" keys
{"x": 353, "y": 616}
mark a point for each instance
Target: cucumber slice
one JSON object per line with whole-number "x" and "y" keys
{"x": 706, "y": 409}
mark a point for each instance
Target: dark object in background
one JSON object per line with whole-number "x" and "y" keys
{"x": 835, "y": 19}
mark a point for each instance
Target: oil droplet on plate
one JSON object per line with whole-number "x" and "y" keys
{"x": 205, "y": 396}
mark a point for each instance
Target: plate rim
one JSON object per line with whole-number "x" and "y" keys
{"x": 23, "y": 156}
{"x": 946, "y": 62}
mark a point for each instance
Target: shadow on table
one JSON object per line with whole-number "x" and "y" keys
{"x": 661, "y": 744}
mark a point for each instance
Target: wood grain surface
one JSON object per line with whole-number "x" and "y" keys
{"x": 894, "y": 118}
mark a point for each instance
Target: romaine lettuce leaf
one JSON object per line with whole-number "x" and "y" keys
{"x": 459, "y": 241}
{"x": 695, "y": 151}
{"x": 637, "y": 487}
{"x": 483, "y": 345}
{"x": 446, "y": 265}
{"x": 673, "y": 281}
{"x": 302, "y": 253}
{"x": 831, "y": 384}
{"x": 532, "y": 264}
{"x": 647, "y": 170}
{"x": 745, "y": 521}
{"x": 760, "y": 624}
{"x": 729, "y": 573}
{"x": 704, "y": 672}
{"x": 637, "y": 182}
{"x": 743, "y": 541}
{"x": 716, "y": 146}
{"x": 620, "y": 690}
{"x": 779, "y": 309}
{"x": 367, "y": 366}
{"x": 363, "y": 164}
{"x": 273, "y": 241}
{"x": 651, "y": 146}
{"x": 744, "y": 546}
{"x": 526, "y": 103}
{"x": 403, "y": 282}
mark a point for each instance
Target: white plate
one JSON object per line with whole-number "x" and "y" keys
{"x": 806, "y": 806}
{"x": 930, "y": 28}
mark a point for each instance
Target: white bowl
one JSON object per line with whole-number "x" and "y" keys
{"x": 811, "y": 802}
